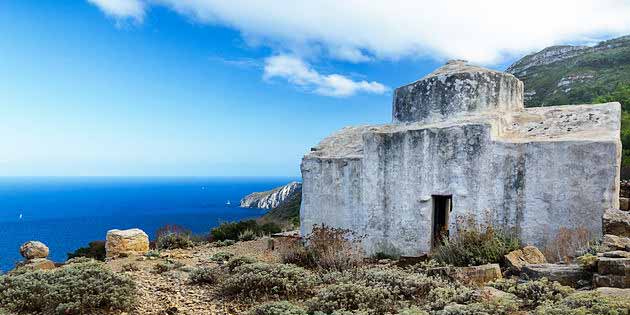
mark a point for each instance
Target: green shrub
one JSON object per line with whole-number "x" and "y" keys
{"x": 247, "y": 235}
{"x": 263, "y": 279}
{"x": 278, "y": 308}
{"x": 80, "y": 288}
{"x": 475, "y": 243}
{"x": 231, "y": 230}
{"x": 204, "y": 275}
{"x": 351, "y": 297}
{"x": 500, "y": 306}
{"x": 587, "y": 261}
{"x": 224, "y": 243}
{"x": 173, "y": 237}
{"x": 95, "y": 250}
{"x": 167, "y": 265}
{"x": 130, "y": 267}
{"x": 533, "y": 293}
{"x": 586, "y": 303}
{"x": 235, "y": 262}
{"x": 439, "y": 297}
{"x": 221, "y": 257}
{"x": 153, "y": 254}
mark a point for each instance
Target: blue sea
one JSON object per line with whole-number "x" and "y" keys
{"x": 67, "y": 213}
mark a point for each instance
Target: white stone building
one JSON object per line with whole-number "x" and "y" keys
{"x": 461, "y": 142}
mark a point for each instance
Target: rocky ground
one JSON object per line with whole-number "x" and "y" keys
{"x": 171, "y": 292}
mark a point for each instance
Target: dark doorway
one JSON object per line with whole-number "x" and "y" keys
{"x": 442, "y": 206}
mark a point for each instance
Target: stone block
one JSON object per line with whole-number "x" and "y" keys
{"x": 478, "y": 275}
{"x": 624, "y": 204}
{"x": 615, "y": 242}
{"x": 614, "y": 292}
{"x": 126, "y": 242}
{"x": 569, "y": 274}
{"x": 36, "y": 264}
{"x": 614, "y": 281}
{"x": 613, "y": 266}
{"x": 616, "y": 254}
{"x": 617, "y": 222}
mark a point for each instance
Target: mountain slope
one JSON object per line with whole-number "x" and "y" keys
{"x": 272, "y": 198}
{"x": 561, "y": 75}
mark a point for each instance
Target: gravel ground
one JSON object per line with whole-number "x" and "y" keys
{"x": 172, "y": 293}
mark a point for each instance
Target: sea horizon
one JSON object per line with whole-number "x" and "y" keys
{"x": 69, "y": 212}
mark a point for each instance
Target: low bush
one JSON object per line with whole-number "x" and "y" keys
{"x": 247, "y": 235}
{"x": 130, "y": 267}
{"x": 328, "y": 249}
{"x": 352, "y": 297}
{"x": 204, "y": 275}
{"x": 95, "y": 250}
{"x": 294, "y": 252}
{"x": 80, "y": 288}
{"x": 235, "y": 262}
{"x": 167, "y": 265}
{"x": 587, "y": 262}
{"x": 262, "y": 279}
{"x": 173, "y": 237}
{"x": 221, "y": 257}
{"x": 231, "y": 230}
{"x": 534, "y": 293}
{"x": 278, "y": 308}
{"x": 586, "y": 303}
{"x": 500, "y": 306}
{"x": 224, "y": 243}
{"x": 475, "y": 243}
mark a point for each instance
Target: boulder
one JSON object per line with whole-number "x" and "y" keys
{"x": 33, "y": 250}
{"x": 614, "y": 292}
{"x": 521, "y": 257}
{"x": 615, "y": 242}
{"x": 126, "y": 242}
{"x": 624, "y": 204}
{"x": 617, "y": 222}
{"x": 36, "y": 264}
{"x": 477, "y": 275}
{"x": 490, "y": 293}
{"x": 570, "y": 274}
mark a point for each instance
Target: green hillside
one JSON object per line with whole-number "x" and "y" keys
{"x": 561, "y": 75}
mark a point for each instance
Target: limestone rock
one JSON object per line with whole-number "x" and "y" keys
{"x": 568, "y": 275}
{"x": 615, "y": 281}
{"x": 126, "y": 242}
{"x": 478, "y": 275}
{"x": 521, "y": 257}
{"x": 272, "y": 198}
{"x": 613, "y": 266}
{"x": 624, "y": 204}
{"x": 617, "y": 222}
{"x": 490, "y": 293}
{"x": 37, "y": 264}
{"x": 615, "y": 242}
{"x": 34, "y": 249}
{"x": 617, "y": 254}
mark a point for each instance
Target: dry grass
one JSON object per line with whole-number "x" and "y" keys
{"x": 567, "y": 243}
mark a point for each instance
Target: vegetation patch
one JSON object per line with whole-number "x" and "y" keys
{"x": 232, "y": 230}
{"x": 262, "y": 279}
{"x": 173, "y": 237}
{"x": 80, "y": 288}
{"x": 278, "y": 308}
{"x": 95, "y": 250}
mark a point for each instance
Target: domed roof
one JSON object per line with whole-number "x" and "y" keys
{"x": 458, "y": 66}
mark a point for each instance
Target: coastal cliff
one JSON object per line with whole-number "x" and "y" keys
{"x": 272, "y": 198}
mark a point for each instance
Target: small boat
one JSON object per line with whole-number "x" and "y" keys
{"x": 228, "y": 203}
{"x": 20, "y": 218}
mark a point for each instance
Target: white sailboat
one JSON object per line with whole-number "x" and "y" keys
{"x": 228, "y": 203}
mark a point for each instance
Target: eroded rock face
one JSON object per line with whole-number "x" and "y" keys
{"x": 34, "y": 249}
{"x": 478, "y": 275}
{"x": 272, "y": 198}
{"x": 527, "y": 255}
{"x": 126, "y": 242}
{"x": 617, "y": 222}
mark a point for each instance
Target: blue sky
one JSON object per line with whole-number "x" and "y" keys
{"x": 207, "y": 88}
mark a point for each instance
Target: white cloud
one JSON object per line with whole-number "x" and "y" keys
{"x": 297, "y": 72}
{"x": 356, "y": 30}
{"x": 122, "y": 8}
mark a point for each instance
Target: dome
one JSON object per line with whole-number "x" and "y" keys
{"x": 455, "y": 89}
